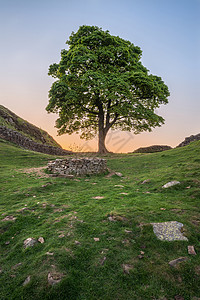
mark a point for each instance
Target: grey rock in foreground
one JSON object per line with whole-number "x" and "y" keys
{"x": 169, "y": 231}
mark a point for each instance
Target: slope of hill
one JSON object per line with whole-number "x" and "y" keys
{"x": 12, "y": 121}
{"x": 26, "y": 135}
{"x": 93, "y": 235}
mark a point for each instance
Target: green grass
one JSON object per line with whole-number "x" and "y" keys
{"x": 57, "y": 206}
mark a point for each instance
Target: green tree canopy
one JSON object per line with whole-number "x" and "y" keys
{"x": 101, "y": 84}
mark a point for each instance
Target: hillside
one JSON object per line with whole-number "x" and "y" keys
{"x": 12, "y": 121}
{"x": 21, "y": 132}
{"x": 95, "y": 235}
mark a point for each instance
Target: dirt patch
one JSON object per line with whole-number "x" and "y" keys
{"x": 36, "y": 171}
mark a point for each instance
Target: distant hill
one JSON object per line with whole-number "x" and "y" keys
{"x": 152, "y": 149}
{"x": 189, "y": 139}
{"x": 21, "y": 132}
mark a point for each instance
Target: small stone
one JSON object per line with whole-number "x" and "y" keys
{"x": 30, "y": 242}
{"x": 174, "y": 262}
{"x": 118, "y": 185}
{"x": 34, "y": 196}
{"x": 54, "y": 278}
{"x": 7, "y": 243}
{"x": 49, "y": 253}
{"x": 111, "y": 219}
{"x": 142, "y": 252}
{"x": 188, "y": 187}
{"x": 145, "y": 181}
{"x": 102, "y": 260}
{"x": 127, "y": 268}
{"x": 16, "y": 266}
{"x": 9, "y": 218}
{"x": 171, "y": 183}
{"x": 77, "y": 243}
{"x": 123, "y": 193}
{"x": 128, "y": 231}
{"x": 140, "y": 256}
{"x": 118, "y": 174}
{"x": 41, "y": 240}
{"x": 162, "y": 208}
{"x": 191, "y": 250}
{"x": 27, "y": 280}
{"x": 61, "y": 235}
{"x": 178, "y": 297}
{"x": 96, "y": 239}
{"x": 98, "y": 197}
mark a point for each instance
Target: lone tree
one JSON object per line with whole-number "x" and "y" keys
{"x": 100, "y": 84}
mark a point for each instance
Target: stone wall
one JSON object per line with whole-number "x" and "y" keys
{"x": 23, "y": 141}
{"x": 77, "y": 167}
{"x": 189, "y": 139}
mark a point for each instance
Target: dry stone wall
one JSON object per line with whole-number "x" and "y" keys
{"x": 23, "y": 141}
{"x": 77, "y": 167}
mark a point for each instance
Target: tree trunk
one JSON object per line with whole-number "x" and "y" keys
{"x": 102, "y": 135}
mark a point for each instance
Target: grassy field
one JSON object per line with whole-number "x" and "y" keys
{"x": 101, "y": 248}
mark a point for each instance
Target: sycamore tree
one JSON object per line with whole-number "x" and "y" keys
{"x": 101, "y": 84}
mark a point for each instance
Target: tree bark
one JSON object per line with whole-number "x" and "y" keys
{"x": 102, "y": 135}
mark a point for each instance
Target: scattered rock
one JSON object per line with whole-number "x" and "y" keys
{"x": 162, "y": 208}
{"x": 98, "y": 197}
{"x": 169, "y": 231}
{"x": 145, "y": 181}
{"x": 16, "y": 266}
{"x": 30, "y": 242}
{"x": 77, "y": 243}
{"x": 7, "y": 243}
{"x": 174, "y": 262}
{"x": 54, "y": 277}
{"x": 49, "y": 253}
{"x": 128, "y": 231}
{"x": 61, "y": 235}
{"x": 111, "y": 219}
{"x": 118, "y": 185}
{"x": 170, "y": 183}
{"x": 27, "y": 280}
{"x": 127, "y": 268}
{"x": 123, "y": 193}
{"x": 41, "y": 240}
{"x": 178, "y": 297}
{"x": 118, "y": 174}
{"x": 96, "y": 239}
{"x": 9, "y": 218}
{"x": 140, "y": 256}
{"x": 142, "y": 252}
{"x": 102, "y": 260}
{"x": 57, "y": 210}
{"x": 191, "y": 250}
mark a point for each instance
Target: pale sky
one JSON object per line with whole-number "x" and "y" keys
{"x": 32, "y": 34}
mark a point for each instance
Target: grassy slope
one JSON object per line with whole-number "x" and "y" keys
{"x": 12, "y": 121}
{"x": 84, "y": 277}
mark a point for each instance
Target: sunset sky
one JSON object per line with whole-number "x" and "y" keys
{"x": 32, "y": 34}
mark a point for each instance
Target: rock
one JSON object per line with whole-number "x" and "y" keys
{"x": 174, "y": 262}
{"x": 41, "y": 240}
{"x": 111, "y": 219}
{"x": 96, "y": 239}
{"x": 16, "y": 266}
{"x": 118, "y": 174}
{"x": 7, "y": 243}
{"x": 61, "y": 235}
{"x": 178, "y": 297}
{"x": 145, "y": 181}
{"x": 169, "y": 231}
{"x": 191, "y": 250}
{"x": 170, "y": 183}
{"x": 124, "y": 194}
{"x": 30, "y": 242}
{"x": 128, "y": 231}
{"x": 49, "y": 253}
{"x": 27, "y": 280}
{"x": 118, "y": 185}
{"x": 9, "y": 218}
{"x": 140, "y": 256}
{"x": 127, "y": 268}
{"x": 77, "y": 243}
{"x": 54, "y": 277}
{"x": 98, "y": 197}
